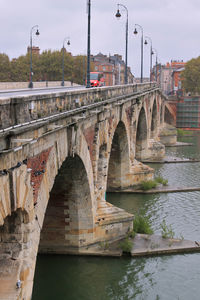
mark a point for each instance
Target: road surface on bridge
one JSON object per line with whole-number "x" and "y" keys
{"x": 37, "y": 91}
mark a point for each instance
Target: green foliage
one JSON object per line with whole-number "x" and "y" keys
{"x": 165, "y": 182}
{"x": 126, "y": 245}
{"x": 191, "y": 76}
{"x": 182, "y": 132}
{"x": 131, "y": 234}
{"x": 161, "y": 180}
{"x": 141, "y": 224}
{"x": 46, "y": 67}
{"x": 5, "y": 67}
{"x": 21, "y": 68}
{"x": 148, "y": 185}
{"x": 167, "y": 231}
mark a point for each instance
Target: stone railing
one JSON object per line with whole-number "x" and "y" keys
{"x": 20, "y": 109}
{"x": 24, "y": 85}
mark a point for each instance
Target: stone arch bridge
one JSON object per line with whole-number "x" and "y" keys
{"x": 59, "y": 155}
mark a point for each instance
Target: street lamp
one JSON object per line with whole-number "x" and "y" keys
{"x": 31, "y": 71}
{"x": 156, "y": 72}
{"x": 88, "y": 44}
{"x": 118, "y": 15}
{"x": 135, "y": 32}
{"x": 151, "y": 52}
{"x": 63, "y": 60}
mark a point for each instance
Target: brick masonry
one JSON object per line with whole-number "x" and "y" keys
{"x": 37, "y": 165}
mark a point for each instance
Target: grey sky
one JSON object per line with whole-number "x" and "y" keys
{"x": 173, "y": 26}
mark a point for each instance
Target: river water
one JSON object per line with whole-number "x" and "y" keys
{"x": 153, "y": 278}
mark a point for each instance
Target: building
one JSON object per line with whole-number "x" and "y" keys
{"x": 177, "y": 81}
{"x": 35, "y": 50}
{"x": 113, "y": 68}
{"x": 169, "y": 76}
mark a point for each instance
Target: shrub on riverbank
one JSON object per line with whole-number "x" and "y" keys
{"x": 148, "y": 185}
{"x": 141, "y": 224}
{"x": 161, "y": 180}
{"x": 167, "y": 231}
{"x": 126, "y": 245}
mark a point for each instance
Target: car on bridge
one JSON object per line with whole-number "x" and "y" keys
{"x": 96, "y": 79}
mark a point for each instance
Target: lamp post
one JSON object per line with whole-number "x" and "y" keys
{"x": 63, "y": 60}
{"x": 151, "y": 52}
{"x": 31, "y": 45}
{"x": 156, "y": 72}
{"x": 88, "y": 44}
{"x": 135, "y": 32}
{"x": 118, "y": 15}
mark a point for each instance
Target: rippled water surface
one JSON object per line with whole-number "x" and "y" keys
{"x": 165, "y": 277}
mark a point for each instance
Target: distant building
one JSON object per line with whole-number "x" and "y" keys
{"x": 169, "y": 76}
{"x": 113, "y": 68}
{"x": 177, "y": 81}
{"x": 35, "y": 50}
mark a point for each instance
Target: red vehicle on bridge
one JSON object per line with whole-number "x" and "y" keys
{"x": 96, "y": 79}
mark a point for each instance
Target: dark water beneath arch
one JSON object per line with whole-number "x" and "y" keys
{"x": 154, "y": 278}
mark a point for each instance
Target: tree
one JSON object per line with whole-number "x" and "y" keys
{"x": 191, "y": 76}
{"x": 46, "y": 66}
{"x": 20, "y": 68}
{"x": 5, "y": 67}
{"x": 79, "y": 69}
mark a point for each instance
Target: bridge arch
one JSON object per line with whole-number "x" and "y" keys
{"x": 154, "y": 120}
{"x": 118, "y": 166}
{"x": 68, "y": 218}
{"x": 141, "y": 135}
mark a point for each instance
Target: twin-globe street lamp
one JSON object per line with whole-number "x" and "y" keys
{"x": 135, "y": 32}
{"x": 118, "y": 15}
{"x": 31, "y": 45}
{"x": 63, "y": 60}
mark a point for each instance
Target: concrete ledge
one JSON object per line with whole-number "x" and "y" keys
{"x": 144, "y": 244}
{"x": 179, "y": 144}
{"x": 171, "y": 160}
{"x": 92, "y": 250}
{"x": 161, "y": 189}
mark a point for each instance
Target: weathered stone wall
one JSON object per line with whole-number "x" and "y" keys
{"x": 27, "y": 108}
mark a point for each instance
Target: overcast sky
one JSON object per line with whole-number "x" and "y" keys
{"x": 173, "y": 26}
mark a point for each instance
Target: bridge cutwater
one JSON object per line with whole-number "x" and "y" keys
{"x": 60, "y": 152}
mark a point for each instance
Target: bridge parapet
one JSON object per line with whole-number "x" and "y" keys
{"x": 20, "y": 109}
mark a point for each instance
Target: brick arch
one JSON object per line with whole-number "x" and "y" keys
{"x": 141, "y": 135}
{"x": 68, "y": 219}
{"x": 118, "y": 166}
